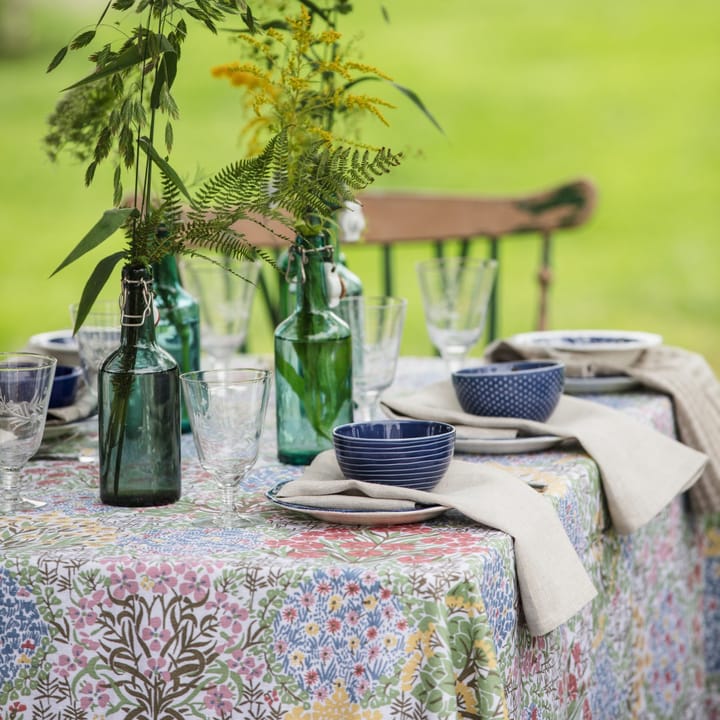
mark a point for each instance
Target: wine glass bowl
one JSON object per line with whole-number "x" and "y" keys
{"x": 376, "y": 325}
{"x": 227, "y": 411}
{"x": 26, "y": 381}
{"x": 98, "y": 336}
{"x": 455, "y": 294}
{"x": 224, "y": 289}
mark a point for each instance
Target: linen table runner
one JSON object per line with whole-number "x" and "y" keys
{"x": 552, "y": 581}
{"x": 641, "y": 469}
{"x": 684, "y": 375}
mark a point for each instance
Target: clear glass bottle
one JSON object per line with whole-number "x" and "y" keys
{"x": 313, "y": 362}
{"x": 178, "y": 329}
{"x": 139, "y": 407}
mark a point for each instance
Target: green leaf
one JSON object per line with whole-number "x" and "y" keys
{"x": 165, "y": 75}
{"x": 169, "y": 136}
{"x": 117, "y": 186}
{"x": 101, "y": 231}
{"x": 419, "y": 103}
{"x": 96, "y": 282}
{"x": 59, "y": 57}
{"x": 165, "y": 167}
{"x": 126, "y": 59}
{"x": 82, "y": 40}
{"x": 248, "y": 19}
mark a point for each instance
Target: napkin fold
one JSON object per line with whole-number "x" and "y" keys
{"x": 84, "y": 406}
{"x": 682, "y": 374}
{"x": 552, "y": 581}
{"x": 641, "y": 469}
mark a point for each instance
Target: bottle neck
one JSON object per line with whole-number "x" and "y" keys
{"x": 309, "y": 258}
{"x": 137, "y": 326}
{"x": 165, "y": 272}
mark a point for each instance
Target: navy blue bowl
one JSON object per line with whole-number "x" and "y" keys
{"x": 65, "y": 385}
{"x": 528, "y": 389}
{"x": 409, "y": 453}
{"x": 388, "y": 431}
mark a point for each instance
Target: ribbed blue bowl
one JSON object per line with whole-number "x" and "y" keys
{"x": 408, "y": 453}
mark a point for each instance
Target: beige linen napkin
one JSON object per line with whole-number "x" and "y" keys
{"x": 85, "y": 405}
{"x": 552, "y": 581}
{"x": 684, "y": 375}
{"x": 641, "y": 469}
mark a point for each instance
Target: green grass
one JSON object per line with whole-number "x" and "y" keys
{"x": 529, "y": 94}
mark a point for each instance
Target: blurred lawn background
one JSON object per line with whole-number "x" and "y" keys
{"x": 528, "y": 94}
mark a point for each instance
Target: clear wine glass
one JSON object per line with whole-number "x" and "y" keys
{"x": 98, "y": 336}
{"x": 455, "y": 294}
{"x": 225, "y": 300}
{"x": 25, "y": 384}
{"x": 376, "y": 324}
{"x": 227, "y": 413}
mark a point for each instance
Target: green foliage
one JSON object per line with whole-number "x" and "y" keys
{"x": 300, "y": 83}
{"x": 113, "y": 112}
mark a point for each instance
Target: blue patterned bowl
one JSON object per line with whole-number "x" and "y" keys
{"x": 528, "y": 389}
{"x": 408, "y": 453}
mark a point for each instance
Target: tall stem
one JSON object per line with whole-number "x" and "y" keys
{"x": 9, "y": 489}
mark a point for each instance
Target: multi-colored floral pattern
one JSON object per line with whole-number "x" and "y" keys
{"x": 110, "y": 613}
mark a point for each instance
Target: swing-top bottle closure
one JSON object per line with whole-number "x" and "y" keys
{"x": 128, "y": 320}
{"x": 334, "y": 284}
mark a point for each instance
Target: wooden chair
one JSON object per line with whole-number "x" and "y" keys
{"x": 398, "y": 217}
{"x": 394, "y": 218}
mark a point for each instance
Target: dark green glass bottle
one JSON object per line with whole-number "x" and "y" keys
{"x": 313, "y": 363}
{"x": 139, "y": 407}
{"x": 178, "y": 329}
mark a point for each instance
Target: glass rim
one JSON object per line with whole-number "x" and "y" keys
{"x": 43, "y": 361}
{"x": 222, "y": 376}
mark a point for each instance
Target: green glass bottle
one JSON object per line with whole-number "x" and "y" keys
{"x": 313, "y": 362}
{"x": 178, "y": 329}
{"x": 351, "y": 283}
{"x": 139, "y": 407}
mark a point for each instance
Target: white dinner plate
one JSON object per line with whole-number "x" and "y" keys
{"x": 358, "y": 517}
{"x": 53, "y": 431}
{"x": 506, "y": 445}
{"x": 601, "y": 384}
{"x": 588, "y": 340}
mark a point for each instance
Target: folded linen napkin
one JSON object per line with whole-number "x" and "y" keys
{"x": 641, "y": 469}
{"x": 85, "y": 405}
{"x": 684, "y": 375}
{"x": 552, "y": 581}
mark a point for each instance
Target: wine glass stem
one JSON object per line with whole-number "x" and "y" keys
{"x": 454, "y": 359}
{"x": 368, "y": 407}
{"x": 227, "y": 512}
{"x": 9, "y": 489}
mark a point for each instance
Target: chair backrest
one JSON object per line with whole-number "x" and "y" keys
{"x": 397, "y": 217}
{"x": 394, "y": 218}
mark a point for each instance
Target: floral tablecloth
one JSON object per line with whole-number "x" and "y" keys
{"x": 119, "y": 613}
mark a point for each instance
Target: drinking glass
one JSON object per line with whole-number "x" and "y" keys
{"x": 25, "y": 384}
{"x": 227, "y": 412}
{"x": 455, "y": 294}
{"x": 376, "y": 325}
{"x": 225, "y": 293}
{"x": 97, "y": 338}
